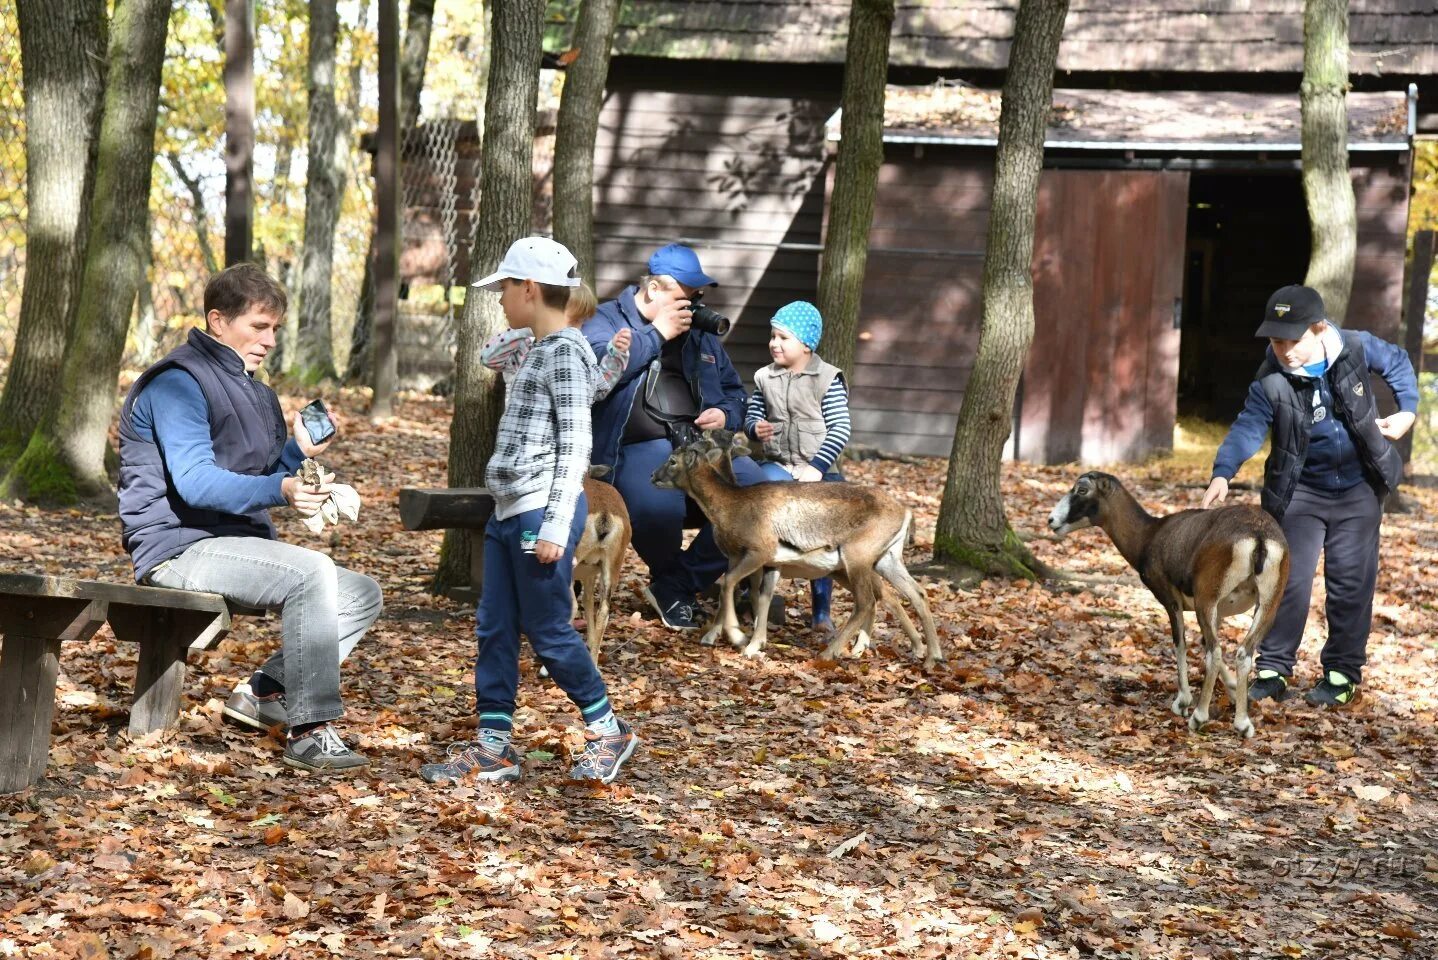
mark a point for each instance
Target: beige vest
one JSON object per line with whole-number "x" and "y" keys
{"x": 795, "y": 405}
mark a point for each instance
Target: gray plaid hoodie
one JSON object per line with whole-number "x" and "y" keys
{"x": 542, "y": 452}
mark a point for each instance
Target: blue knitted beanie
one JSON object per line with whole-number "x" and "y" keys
{"x": 801, "y": 320}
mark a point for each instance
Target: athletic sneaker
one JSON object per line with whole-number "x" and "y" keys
{"x": 1270, "y": 685}
{"x": 322, "y": 751}
{"x": 478, "y": 761}
{"x": 604, "y": 757}
{"x": 1334, "y": 690}
{"x": 261, "y": 713}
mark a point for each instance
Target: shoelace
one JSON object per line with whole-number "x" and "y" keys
{"x": 329, "y": 741}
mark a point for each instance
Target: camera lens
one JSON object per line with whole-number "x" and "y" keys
{"x": 709, "y": 320}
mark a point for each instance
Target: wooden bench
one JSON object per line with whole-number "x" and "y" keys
{"x": 38, "y": 613}
{"x": 456, "y": 508}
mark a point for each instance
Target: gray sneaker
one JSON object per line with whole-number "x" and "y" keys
{"x": 321, "y": 751}
{"x": 261, "y": 713}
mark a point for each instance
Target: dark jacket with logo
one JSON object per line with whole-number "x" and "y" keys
{"x": 706, "y": 365}
{"x": 1324, "y": 429}
{"x": 247, "y": 430}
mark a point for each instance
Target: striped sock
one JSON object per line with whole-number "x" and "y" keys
{"x": 495, "y": 740}
{"x": 599, "y": 717}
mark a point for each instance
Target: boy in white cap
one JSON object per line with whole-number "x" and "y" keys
{"x": 536, "y": 476}
{"x": 800, "y": 411}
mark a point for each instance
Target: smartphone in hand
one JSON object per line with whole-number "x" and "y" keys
{"x": 317, "y": 422}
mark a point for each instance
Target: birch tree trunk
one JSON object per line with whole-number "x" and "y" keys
{"x": 62, "y": 54}
{"x": 65, "y": 457}
{"x": 1326, "y": 184}
{"x": 578, "y": 125}
{"x": 322, "y": 197}
{"x": 506, "y": 188}
{"x": 856, "y": 178}
{"x": 973, "y": 529}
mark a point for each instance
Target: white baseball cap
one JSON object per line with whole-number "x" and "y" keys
{"x": 535, "y": 258}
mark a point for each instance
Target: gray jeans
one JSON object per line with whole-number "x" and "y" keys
{"x": 325, "y": 610}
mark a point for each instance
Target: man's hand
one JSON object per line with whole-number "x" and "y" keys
{"x": 306, "y": 500}
{"x": 807, "y": 473}
{"x": 1395, "y": 426}
{"x": 674, "y": 318}
{"x": 1217, "y": 492}
{"x": 302, "y": 436}
{"x": 546, "y": 552}
{"x": 711, "y": 419}
{"x": 764, "y": 430}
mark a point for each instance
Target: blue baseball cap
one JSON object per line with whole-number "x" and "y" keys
{"x": 681, "y": 263}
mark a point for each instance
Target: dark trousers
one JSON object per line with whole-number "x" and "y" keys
{"x": 522, "y": 595}
{"x": 657, "y": 517}
{"x": 1344, "y": 528}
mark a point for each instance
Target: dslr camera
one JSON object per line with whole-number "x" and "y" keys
{"x": 707, "y": 318}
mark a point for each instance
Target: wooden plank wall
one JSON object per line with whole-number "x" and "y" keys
{"x": 1101, "y": 380}
{"x": 1101, "y": 383}
{"x": 743, "y": 174}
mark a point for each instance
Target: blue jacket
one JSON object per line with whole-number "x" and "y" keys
{"x": 705, "y": 363}
{"x": 1332, "y": 460}
{"x": 203, "y": 451}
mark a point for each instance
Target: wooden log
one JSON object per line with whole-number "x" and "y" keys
{"x": 464, "y": 508}
{"x": 34, "y": 628}
{"x": 165, "y": 637}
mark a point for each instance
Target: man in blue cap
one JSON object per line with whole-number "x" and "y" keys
{"x": 678, "y": 379}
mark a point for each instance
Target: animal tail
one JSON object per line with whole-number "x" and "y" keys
{"x": 1260, "y": 555}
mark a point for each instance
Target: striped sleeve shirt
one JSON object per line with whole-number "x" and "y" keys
{"x": 837, "y": 427}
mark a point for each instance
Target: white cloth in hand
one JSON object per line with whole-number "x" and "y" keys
{"x": 343, "y": 501}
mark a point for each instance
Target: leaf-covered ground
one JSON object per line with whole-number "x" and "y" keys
{"x": 1032, "y": 798}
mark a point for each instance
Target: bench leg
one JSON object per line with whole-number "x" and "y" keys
{"x": 29, "y": 664}
{"x": 164, "y": 637}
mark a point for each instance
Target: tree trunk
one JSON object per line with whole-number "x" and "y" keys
{"x": 62, "y": 51}
{"x": 414, "y": 55}
{"x": 202, "y": 217}
{"x": 322, "y": 197}
{"x": 147, "y": 334}
{"x": 861, "y": 152}
{"x": 65, "y": 457}
{"x": 973, "y": 528}
{"x": 506, "y": 189}
{"x": 1326, "y": 185}
{"x": 578, "y": 124}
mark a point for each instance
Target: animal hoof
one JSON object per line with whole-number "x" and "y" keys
{"x": 1245, "y": 731}
{"x": 1181, "y": 705}
{"x": 707, "y": 640}
{"x": 737, "y": 637}
{"x": 1196, "y": 722}
{"x": 753, "y": 651}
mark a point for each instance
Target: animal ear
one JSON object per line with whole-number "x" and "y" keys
{"x": 714, "y": 455}
{"x": 688, "y": 457}
{"x": 1105, "y": 485}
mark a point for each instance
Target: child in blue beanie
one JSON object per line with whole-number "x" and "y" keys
{"x": 800, "y": 412}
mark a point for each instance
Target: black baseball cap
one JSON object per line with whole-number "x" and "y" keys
{"x": 1290, "y": 312}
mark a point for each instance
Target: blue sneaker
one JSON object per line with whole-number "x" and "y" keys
{"x": 675, "y": 614}
{"x": 604, "y": 757}
{"x": 477, "y": 761}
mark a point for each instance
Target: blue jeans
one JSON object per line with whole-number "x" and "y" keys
{"x": 324, "y": 610}
{"x": 657, "y": 517}
{"x": 522, "y": 595}
{"x": 821, "y": 590}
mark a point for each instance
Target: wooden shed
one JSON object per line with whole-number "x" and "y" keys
{"x": 715, "y": 131}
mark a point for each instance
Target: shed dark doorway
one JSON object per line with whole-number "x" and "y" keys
{"x": 1247, "y": 236}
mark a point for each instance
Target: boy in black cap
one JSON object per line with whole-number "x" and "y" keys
{"x": 1331, "y": 465}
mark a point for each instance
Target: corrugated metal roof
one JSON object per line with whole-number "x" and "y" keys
{"x": 959, "y": 114}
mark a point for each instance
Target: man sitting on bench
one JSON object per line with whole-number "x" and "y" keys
{"x": 203, "y": 458}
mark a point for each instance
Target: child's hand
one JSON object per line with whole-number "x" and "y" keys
{"x": 764, "y": 430}
{"x": 1217, "y": 492}
{"x": 807, "y": 473}
{"x": 622, "y": 339}
{"x": 546, "y": 552}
